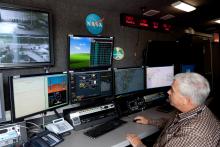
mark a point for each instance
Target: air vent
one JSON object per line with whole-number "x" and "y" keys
{"x": 166, "y": 17}
{"x": 151, "y": 13}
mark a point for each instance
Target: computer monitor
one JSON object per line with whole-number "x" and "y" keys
{"x": 86, "y": 87}
{"x": 2, "y": 104}
{"x": 26, "y": 36}
{"x": 159, "y": 77}
{"x": 188, "y": 67}
{"x": 32, "y": 94}
{"x": 89, "y": 52}
{"x": 129, "y": 80}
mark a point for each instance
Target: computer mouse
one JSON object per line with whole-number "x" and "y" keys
{"x": 135, "y": 120}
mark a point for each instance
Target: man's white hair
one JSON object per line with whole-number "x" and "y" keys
{"x": 194, "y": 86}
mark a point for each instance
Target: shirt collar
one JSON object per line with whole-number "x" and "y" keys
{"x": 193, "y": 112}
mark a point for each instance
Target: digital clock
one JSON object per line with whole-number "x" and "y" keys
{"x": 142, "y": 22}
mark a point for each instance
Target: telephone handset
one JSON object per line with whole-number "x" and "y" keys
{"x": 59, "y": 126}
{"x": 44, "y": 139}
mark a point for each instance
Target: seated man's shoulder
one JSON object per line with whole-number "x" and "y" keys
{"x": 203, "y": 125}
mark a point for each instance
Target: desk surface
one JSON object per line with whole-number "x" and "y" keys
{"x": 117, "y": 137}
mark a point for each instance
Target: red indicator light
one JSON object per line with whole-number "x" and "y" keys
{"x": 166, "y": 27}
{"x": 129, "y": 20}
{"x": 143, "y": 23}
{"x": 155, "y": 25}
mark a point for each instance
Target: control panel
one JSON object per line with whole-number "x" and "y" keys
{"x": 84, "y": 118}
{"x": 136, "y": 104}
{"x": 154, "y": 96}
{"x": 128, "y": 105}
{"x": 9, "y": 135}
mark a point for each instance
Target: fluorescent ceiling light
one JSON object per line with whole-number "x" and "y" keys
{"x": 166, "y": 17}
{"x": 217, "y": 21}
{"x": 183, "y": 6}
{"x": 151, "y": 12}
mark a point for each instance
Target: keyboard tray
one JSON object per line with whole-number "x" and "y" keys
{"x": 104, "y": 128}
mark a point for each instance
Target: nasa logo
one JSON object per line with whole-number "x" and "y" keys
{"x": 94, "y": 24}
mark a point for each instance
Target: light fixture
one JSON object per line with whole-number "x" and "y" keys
{"x": 217, "y": 21}
{"x": 151, "y": 13}
{"x": 166, "y": 17}
{"x": 183, "y": 6}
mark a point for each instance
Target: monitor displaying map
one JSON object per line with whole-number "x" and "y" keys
{"x": 159, "y": 76}
{"x": 129, "y": 80}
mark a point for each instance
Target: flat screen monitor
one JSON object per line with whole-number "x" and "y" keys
{"x": 158, "y": 77}
{"x": 160, "y": 53}
{"x": 2, "y": 104}
{"x": 89, "y": 52}
{"x": 90, "y": 85}
{"x": 26, "y": 37}
{"x": 129, "y": 80}
{"x": 187, "y": 67}
{"x": 32, "y": 94}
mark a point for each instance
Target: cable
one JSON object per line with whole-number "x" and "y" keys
{"x": 34, "y": 124}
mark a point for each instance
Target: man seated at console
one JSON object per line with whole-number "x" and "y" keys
{"x": 194, "y": 126}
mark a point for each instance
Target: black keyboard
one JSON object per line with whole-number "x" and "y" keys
{"x": 104, "y": 128}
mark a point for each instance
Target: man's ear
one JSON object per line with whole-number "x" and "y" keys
{"x": 187, "y": 101}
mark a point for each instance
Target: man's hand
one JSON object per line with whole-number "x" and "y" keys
{"x": 142, "y": 120}
{"x": 135, "y": 140}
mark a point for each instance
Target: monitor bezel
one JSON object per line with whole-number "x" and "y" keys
{"x": 88, "y": 68}
{"x": 133, "y": 92}
{"x": 13, "y": 116}
{"x": 50, "y": 35}
{"x": 2, "y": 101}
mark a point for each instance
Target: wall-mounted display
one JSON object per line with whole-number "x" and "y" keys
{"x": 144, "y": 23}
{"x": 25, "y": 37}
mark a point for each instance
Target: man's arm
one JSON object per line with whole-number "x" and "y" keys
{"x": 135, "y": 140}
{"x": 188, "y": 141}
{"x": 160, "y": 123}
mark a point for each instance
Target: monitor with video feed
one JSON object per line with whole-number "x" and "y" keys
{"x": 26, "y": 37}
{"x": 89, "y": 52}
{"x": 90, "y": 85}
{"x": 33, "y": 94}
{"x": 187, "y": 67}
{"x": 159, "y": 77}
{"x": 129, "y": 80}
{"x": 2, "y": 104}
